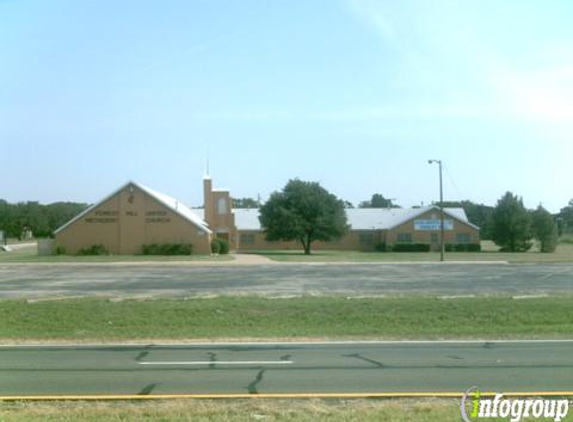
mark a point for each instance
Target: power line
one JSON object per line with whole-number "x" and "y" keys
{"x": 451, "y": 179}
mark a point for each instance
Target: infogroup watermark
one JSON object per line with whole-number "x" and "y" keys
{"x": 474, "y": 407}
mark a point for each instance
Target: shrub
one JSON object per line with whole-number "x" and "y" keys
{"x": 94, "y": 250}
{"x": 60, "y": 250}
{"x": 474, "y": 247}
{"x": 152, "y": 249}
{"x": 219, "y": 246}
{"x": 168, "y": 249}
{"x": 380, "y": 247}
{"x": 223, "y": 246}
{"x": 411, "y": 247}
{"x": 463, "y": 247}
{"x": 215, "y": 246}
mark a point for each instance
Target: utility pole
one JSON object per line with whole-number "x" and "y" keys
{"x": 442, "y": 238}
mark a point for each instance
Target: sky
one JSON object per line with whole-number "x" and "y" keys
{"x": 354, "y": 94}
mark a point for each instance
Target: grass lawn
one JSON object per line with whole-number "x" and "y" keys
{"x": 423, "y": 410}
{"x": 564, "y": 254}
{"x": 29, "y": 255}
{"x": 104, "y": 320}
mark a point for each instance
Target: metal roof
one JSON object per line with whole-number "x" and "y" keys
{"x": 176, "y": 206}
{"x": 173, "y": 204}
{"x": 361, "y": 218}
{"x": 247, "y": 219}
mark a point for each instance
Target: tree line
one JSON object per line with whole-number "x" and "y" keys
{"x": 41, "y": 220}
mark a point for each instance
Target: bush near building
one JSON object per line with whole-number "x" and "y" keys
{"x": 93, "y": 250}
{"x": 463, "y": 247}
{"x": 220, "y": 246}
{"x": 168, "y": 249}
{"x": 411, "y": 247}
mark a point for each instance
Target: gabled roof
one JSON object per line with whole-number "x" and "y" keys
{"x": 173, "y": 204}
{"x": 361, "y": 218}
{"x": 376, "y": 218}
{"x": 456, "y": 213}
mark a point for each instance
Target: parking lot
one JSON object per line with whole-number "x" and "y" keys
{"x": 120, "y": 280}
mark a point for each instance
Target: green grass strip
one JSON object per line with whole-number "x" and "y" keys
{"x": 564, "y": 254}
{"x": 252, "y": 410}
{"x": 307, "y": 317}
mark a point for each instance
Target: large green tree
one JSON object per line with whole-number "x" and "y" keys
{"x": 304, "y": 212}
{"x": 544, "y": 229}
{"x": 511, "y": 224}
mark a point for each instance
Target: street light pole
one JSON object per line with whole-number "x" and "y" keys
{"x": 442, "y": 237}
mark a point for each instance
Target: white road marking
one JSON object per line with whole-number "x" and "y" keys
{"x": 522, "y": 297}
{"x": 227, "y": 363}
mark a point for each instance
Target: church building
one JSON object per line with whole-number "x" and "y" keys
{"x": 136, "y": 215}
{"x": 133, "y": 216}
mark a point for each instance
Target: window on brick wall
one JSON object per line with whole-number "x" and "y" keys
{"x": 247, "y": 239}
{"x": 222, "y": 206}
{"x": 404, "y": 238}
{"x": 366, "y": 238}
{"x": 463, "y": 238}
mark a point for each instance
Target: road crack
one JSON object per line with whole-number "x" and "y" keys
{"x": 149, "y": 389}
{"x": 365, "y": 359}
{"x": 253, "y": 387}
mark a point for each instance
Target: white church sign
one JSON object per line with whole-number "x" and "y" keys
{"x": 432, "y": 225}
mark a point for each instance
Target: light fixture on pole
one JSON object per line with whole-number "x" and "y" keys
{"x": 442, "y": 239}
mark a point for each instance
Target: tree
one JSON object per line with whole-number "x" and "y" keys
{"x": 478, "y": 214}
{"x": 511, "y": 224}
{"x": 566, "y": 216}
{"x": 305, "y": 212}
{"x": 59, "y": 213}
{"x": 42, "y": 220}
{"x": 377, "y": 201}
{"x": 245, "y": 203}
{"x": 544, "y": 229}
{"x": 348, "y": 205}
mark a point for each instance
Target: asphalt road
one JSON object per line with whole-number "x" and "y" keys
{"x": 33, "y": 281}
{"x": 273, "y": 368}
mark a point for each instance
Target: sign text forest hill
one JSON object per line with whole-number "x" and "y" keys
{"x": 111, "y": 217}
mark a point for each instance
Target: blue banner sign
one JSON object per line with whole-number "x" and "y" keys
{"x": 432, "y": 225}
